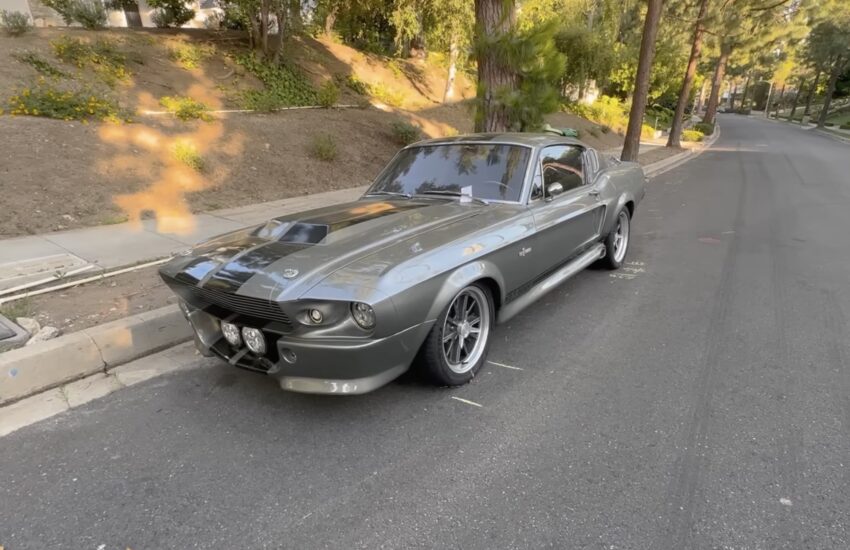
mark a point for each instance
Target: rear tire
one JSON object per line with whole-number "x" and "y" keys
{"x": 456, "y": 348}
{"x": 618, "y": 240}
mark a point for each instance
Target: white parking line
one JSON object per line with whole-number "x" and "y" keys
{"x": 504, "y": 366}
{"x": 467, "y": 401}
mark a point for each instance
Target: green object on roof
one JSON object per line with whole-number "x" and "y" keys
{"x": 566, "y": 132}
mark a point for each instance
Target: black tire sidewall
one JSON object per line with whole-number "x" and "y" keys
{"x": 435, "y": 364}
{"x": 609, "y": 261}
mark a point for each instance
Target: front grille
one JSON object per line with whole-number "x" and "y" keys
{"x": 203, "y": 298}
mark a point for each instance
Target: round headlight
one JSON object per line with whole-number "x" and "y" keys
{"x": 363, "y": 315}
{"x": 231, "y": 334}
{"x": 254, "y": 340}
{"x": 315, "y": 316}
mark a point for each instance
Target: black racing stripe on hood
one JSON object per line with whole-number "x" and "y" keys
{"x": 238, "y": 271}
{"x": 315, "y": 230}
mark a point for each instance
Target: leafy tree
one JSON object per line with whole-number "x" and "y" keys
{"x": 829, "y": 47}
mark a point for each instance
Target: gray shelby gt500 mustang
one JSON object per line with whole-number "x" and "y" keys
{"x": 454, "y": 235}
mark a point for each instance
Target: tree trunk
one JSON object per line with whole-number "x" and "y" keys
{"x": 631, "y": 144}
{"x": 330, "y": 19}
{"x": 688, "y": 81}
{"x": 811, "y": 94}
{"x": 796, "y": 99}
{"x": 779, "y": 101}
{"x": 450, "y": 81}
{"x": 732, "y": 96}
{"x": 700, "y": 97}
{"x": 716, "y": 84}
{"x": 746, "y": 92}
{"x": 264, "y": 28}
{"x": 494, "y": 19}
{"x": 830, "y": 91}
{"x": 294, "y": 21}
{"x": 282, "y": 19}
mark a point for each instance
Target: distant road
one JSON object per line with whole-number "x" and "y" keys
{"x": 699, "y": 398}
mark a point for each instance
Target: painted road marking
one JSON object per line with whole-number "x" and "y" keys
{"x": 473, "y": 403}
{"x": 503, "y": 365}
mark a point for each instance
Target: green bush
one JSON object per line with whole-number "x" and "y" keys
{"x": 606, "y": 111}
{"x": 103, "y": 57}
{"x": 190, "y": 56}
{"x": 170, "y": 13}
{"x": 328, "y": 94}
{"x": 188, "y": 154}
{"x": 845, "y": 126}
{"x": 354, "y": 84}
{"x": 692, "y": 135}
{"x": 48, "y": 100}
{"x": 706, "y": 128}
{"x": 647, "y": 131}
{"x": 405, "y": 133}
{"x": 284, "y": 86}
{"x": 185, "y": 108}
{"x": 323, "y": 147}
{"x": 91, "y": 14}
{"x": 39, "y": 64}
{"x": 385, "y": 95}
{"x": 14, "y": 23}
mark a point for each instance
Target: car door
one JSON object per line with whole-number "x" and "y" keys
{"x": 568, "y": 217}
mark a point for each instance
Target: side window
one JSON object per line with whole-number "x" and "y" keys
{"x": 562, "y": 164}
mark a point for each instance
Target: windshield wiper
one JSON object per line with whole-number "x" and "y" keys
{"x": 447, "y": 193}
{"x": 390, "y": 193}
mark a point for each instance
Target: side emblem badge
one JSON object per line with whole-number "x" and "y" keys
{"x": 524, "y": 251}
{"x": 290, "y": 273}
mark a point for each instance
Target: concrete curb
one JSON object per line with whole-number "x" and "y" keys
{"x": 29, "y": 370}
{"x": 658, "y": 168}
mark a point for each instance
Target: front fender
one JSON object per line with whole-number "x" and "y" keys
{"x": 462, "y": 277}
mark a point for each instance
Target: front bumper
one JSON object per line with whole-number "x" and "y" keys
{"x": 314, "y": 365}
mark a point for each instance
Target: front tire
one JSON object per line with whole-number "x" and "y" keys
{"x": 457, "y": 346}
{"x": 617, "y": 241}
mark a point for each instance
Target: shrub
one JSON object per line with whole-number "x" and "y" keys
{"x": 355, "y": 84}
{"x": 328, "y": 94}
{"x": 188, "y": 154}
{"x": 189, "y": 56}
{"x": 380, "y": 92}
{"x": 323, "y": 147}
{"x": 91, "y": 14}
{"x": 692, "y": 135}
{"x": 48, "y": 100}
{"x": 647, "y": 131}
{"x": 405, "y": 133}
{"x": 170, "y": 13}
{"x": 845, "y": 126}
{"x": 185, "y": 108}
{"x": 103, "y": 57}
{"x": 39, "y": 64}
{"x": 284, "y": 86}
{"x": 14, "y": 23}
{"x": 706, "y": 128}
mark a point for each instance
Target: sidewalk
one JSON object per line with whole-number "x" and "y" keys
{"x": 91, "y": 250}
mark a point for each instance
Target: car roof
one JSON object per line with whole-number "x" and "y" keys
{"x": 527, "y": 139}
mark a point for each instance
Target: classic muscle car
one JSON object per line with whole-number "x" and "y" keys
{"x": 454, "y": 236}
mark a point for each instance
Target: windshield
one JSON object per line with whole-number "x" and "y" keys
{"x": 492, "y": 171}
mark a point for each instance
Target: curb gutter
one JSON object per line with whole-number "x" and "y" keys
{"x": 32, "y": 369}
{"x": 45, "y": 379}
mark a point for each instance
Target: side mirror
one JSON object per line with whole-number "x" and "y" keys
{"x": 553, "y": 190}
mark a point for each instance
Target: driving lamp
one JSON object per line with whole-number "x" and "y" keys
{"x": 231, "y": 334}
{"x": 254, "y": 340}
{"x": 315, "y": 316}
{"x": 363, "y": 315}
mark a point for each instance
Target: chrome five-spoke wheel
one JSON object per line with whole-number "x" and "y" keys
{"x": 456, "y": 347}
{"x": 617, "y": 241}
{"x": 465, "y": 329}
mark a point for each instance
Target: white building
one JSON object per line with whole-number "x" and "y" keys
{"x": 42, "y": 16}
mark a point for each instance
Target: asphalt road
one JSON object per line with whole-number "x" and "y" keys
{"x": 698, "y": 399}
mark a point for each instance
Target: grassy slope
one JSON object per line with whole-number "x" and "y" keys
{"x": 59, "y": 175}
